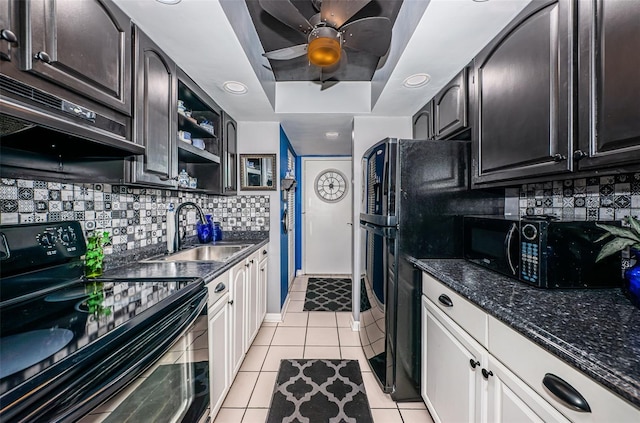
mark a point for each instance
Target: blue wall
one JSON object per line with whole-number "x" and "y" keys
{"x": 285, "y": 146}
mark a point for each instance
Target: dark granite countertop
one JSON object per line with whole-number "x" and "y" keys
{"x": 596, "y": 331}
{"x": 188, "y": 269}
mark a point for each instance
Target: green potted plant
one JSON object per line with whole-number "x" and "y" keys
{"x": 94, "y": 256}
{"x": 624, "y": 237}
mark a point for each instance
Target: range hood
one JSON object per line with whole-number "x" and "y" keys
{"x": 39, "y": 122}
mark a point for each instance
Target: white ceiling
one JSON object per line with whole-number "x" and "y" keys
{"x": 437, "y": 37}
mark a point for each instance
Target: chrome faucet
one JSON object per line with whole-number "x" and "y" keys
{"x": 203, "y": 219}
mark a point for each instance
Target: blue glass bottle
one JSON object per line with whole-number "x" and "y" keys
{"x": 205, "y": 230}
{"x": 632, "y": 280}
{"x": 217, "y": 232}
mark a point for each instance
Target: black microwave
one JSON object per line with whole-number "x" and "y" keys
{"x": 541, "y": 252}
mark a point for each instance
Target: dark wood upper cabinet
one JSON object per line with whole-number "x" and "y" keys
{"x": 524, "y": 89}
{"x": 609, "y": 83}
{"x": 230, "y": 154}
{"x": 155, "y": 117}
{"x": 450, "y": 108}
{"x": 8, "y": 32}
{"x": 84, "y": 46}
{"x": 423, "y": 123}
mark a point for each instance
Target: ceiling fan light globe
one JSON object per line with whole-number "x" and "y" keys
{"x": 324, "y": 51}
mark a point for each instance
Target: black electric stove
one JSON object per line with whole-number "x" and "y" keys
{"x": 68, "y": 343}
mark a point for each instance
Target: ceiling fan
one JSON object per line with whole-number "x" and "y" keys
{"x": 328, "y": 33}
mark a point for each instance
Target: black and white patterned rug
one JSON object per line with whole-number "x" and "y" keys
{"x": 328, "y": 294}
{"x": 319, "y": 391}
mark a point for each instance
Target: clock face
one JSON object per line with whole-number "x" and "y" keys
{"x": 331, "y": 185}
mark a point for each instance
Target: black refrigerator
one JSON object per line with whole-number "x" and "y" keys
{"x": 415, "y": 194}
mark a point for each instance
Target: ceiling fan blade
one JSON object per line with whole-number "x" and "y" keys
{"x": 372, "y": 35}
{"x": 329, "y": 71}
{"x": 337, "y": 12}
{"x": 287, "y": 52}
{"x": 328, "y": 84}
{"x": 287, "y": 13}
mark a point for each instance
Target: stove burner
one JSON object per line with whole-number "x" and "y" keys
{"x": 23, "y": 350}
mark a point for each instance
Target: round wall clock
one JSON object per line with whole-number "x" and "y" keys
{"x": 331, "y": 185}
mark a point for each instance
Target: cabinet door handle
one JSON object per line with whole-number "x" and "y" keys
{"x": 559, "y": 157}
{"x": 8, "y": 36}
{"x": 251, "y": 261}
{"x": 445, "y": 300}
{"x": 486, "y": 373}
{"x": 474, "y": 363}
{"x": 579, "y": 155}
{"x": 43, "y": 56}
{"x": 264, "y": 252}
{"x": 247, "y": 265}
{"x": 219, "y": 287}
{"x": 262, "y": 270}
{"x": 230, "y": 302}
{"x": 566, "y": 393}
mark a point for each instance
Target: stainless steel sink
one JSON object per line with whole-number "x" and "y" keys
{"x": 203, "y": 253}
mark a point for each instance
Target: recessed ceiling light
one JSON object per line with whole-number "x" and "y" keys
{"x": 417, "y": 80}
{"x": 234, "y": 87}
{"x": 169, "y": 1}
{"x": 331, "y": 135}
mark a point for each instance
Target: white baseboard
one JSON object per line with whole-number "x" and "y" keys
{"x": 277, "y": 317}
{"x": 355, "y": 325}
{"x": 273, "y": 317}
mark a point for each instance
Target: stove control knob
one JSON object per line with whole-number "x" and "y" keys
{"x": 45, "y": 239}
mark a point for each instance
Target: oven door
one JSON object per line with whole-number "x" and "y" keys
{"x": 176, "y": 386}
{"x": 377, "y": 302}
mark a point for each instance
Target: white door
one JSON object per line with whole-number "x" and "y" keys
{"x": 327, "y": 194}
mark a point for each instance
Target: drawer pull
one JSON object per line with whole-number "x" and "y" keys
{"x": 486, "y": 373}
{"x": 219, "y": 288}
{"x": 565, "y": 393}
{"x": 445, "y": 300}
{"x": 473, "y": 363}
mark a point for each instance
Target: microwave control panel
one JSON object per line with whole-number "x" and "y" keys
{"x": 530, "y": 253}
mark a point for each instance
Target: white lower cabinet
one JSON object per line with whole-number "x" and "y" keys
{"x": 238, "y": 305}
{"x": 451, "y": 387}
{"x": 253, "y": 298}
{"x": 511, "y": 400}
{"x": 263, "y": 272}
{"x": 509, "y": 379}
{"x": 462, "y": 382}
{"x": 219, "y": 353}
{"x": 234, "y": 321}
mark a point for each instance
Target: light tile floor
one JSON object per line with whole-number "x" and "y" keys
{"x": 304, "y": 334}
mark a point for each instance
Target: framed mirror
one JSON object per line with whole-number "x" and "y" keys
{"x": 257, "y": 172}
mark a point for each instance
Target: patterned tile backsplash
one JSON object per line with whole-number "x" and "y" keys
{"x": 595, "y": 198}
{"x": 135, "y": 217}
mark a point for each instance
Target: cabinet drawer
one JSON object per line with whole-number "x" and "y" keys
{"x": 214, "y": 298}
{"x": 471, "y": 318}
{"x": 264, "y": 251}
{"x": 531, "y": 363}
